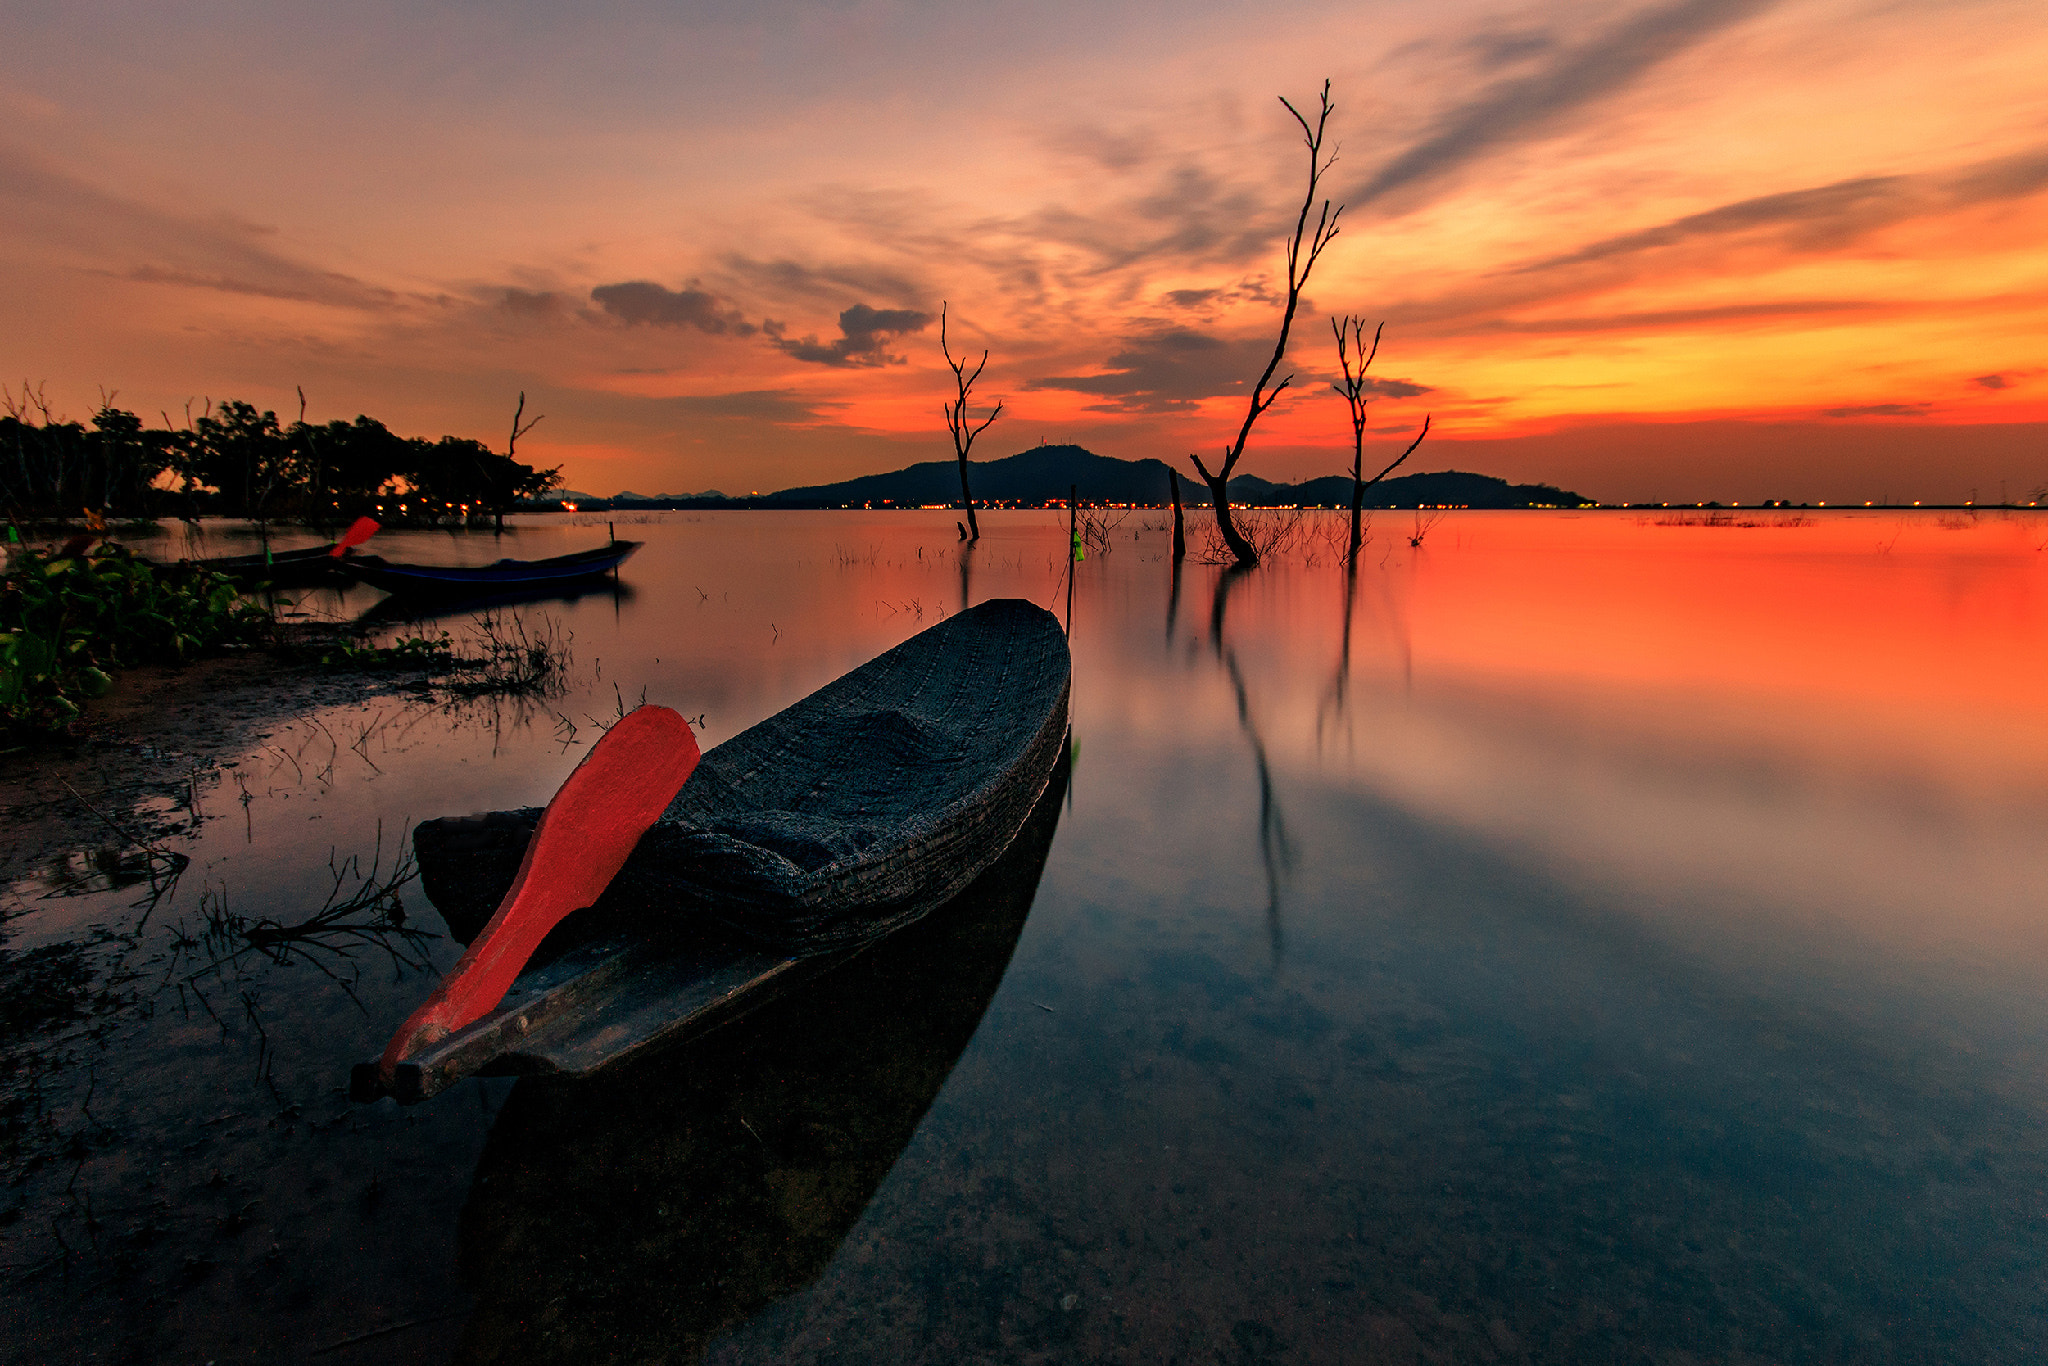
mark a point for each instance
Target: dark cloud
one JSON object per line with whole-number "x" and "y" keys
{"x": 1520, "y": 110}
{"x": 1191, "y": 298}
{"x": 1992, "y": 381}
{"x": 1880, "y": 410}
{"x": 784, "y": 407}
{"x": 863, "y": 335}
{"x": 1825, "y": 217}
{"x": 1168, "y": 371}
{"x": 1397, "y": 388}
{"x": 2010, "y": 177}
{"x": 639, "y": 301}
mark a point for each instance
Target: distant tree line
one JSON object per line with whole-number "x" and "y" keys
{"x": 237, "y": 460}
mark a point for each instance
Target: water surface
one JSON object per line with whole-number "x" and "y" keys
{"x": 1576, "y": 937}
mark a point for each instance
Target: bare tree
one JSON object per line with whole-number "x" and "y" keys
{"x": 512, "y": 442}
{"x": 963, "y": 427}
{"x": 1350, "y": 332}
{"x": 1303, "y": 247}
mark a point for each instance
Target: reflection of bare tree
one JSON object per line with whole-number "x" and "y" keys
{"x": 1335, "y": 704}
{"x": 1275, "y": 852}
{"x": 1220, "y": 604}
{"x": 1173, "y": 600}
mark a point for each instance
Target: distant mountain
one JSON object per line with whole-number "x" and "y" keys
{"x": 1040, "y": 475}
{"x": 628, "y": 496}
{"x": 1446, "y": 488}
{"x": 1044, "y": 474}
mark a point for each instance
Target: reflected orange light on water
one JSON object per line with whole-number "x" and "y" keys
{"x": 1929, "y": 631}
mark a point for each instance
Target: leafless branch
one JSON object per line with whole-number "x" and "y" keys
{"x": 1305, "y": 245}
{"x": 960, "y": 423}
{"x": 512, "y": 442}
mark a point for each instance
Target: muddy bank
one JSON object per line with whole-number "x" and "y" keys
{"x": 148, "y": 740}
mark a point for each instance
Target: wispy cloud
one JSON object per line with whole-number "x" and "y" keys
{"x": 62, "y": 215}
{"x": 791, "y": 281}
{"x": 532, "y": 303}
{"x": 1880, "y": 410}
{"x": 1185, "y": 215}
{"x": 1675, "y": 319}
{"x": 1827, "y": 217}
{"x": 1528, "y": 107}
{"x": 298, "y": 285}
{"x": 783, "y": 407}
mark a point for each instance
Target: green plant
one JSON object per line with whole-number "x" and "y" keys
{"x": 68, "y": 621}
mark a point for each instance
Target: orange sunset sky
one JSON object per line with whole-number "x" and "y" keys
{"x": 1689, "y": 249}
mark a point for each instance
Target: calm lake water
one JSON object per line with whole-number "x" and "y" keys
{"x": 1574, "y": 938}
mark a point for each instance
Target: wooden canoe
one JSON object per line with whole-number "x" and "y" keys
{"x": 306, "y": 565}
{"x": 396, "y": 576}
{"x": 794, "y": 844}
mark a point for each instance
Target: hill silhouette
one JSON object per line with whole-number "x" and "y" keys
{"x": 1043, "y": 475}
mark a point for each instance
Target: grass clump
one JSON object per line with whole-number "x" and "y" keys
{"x": 500, "y": 655}
{"x": 405, "y": 653}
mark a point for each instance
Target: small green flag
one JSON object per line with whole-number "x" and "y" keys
{"x": 1080, "y": 551}
{"x": 13, "y": 536}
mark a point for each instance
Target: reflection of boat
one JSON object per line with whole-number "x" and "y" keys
{"x": 816, "y": 832}
{"x": 396, "y": 576}
{"x": 633, "y": 1217}
{"x": 414, "y": 607}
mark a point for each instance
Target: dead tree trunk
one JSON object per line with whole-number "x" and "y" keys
{"x": 1180, "y": 540}
{"x": 962, "y": 427}
{"x": 1351, "y": 336}
{"x": 512, "y": 442}
{"x": 1303, "y": 247}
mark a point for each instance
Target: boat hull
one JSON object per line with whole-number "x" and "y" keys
{"x": 394, "y": 576}
{"x": 806, "y": 838}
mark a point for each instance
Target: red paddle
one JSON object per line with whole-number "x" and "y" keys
{"x": 582, "y": 841}
{"x": 362, "y": 529}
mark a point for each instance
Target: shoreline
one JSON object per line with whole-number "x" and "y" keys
{"x": 157, "y": 729}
